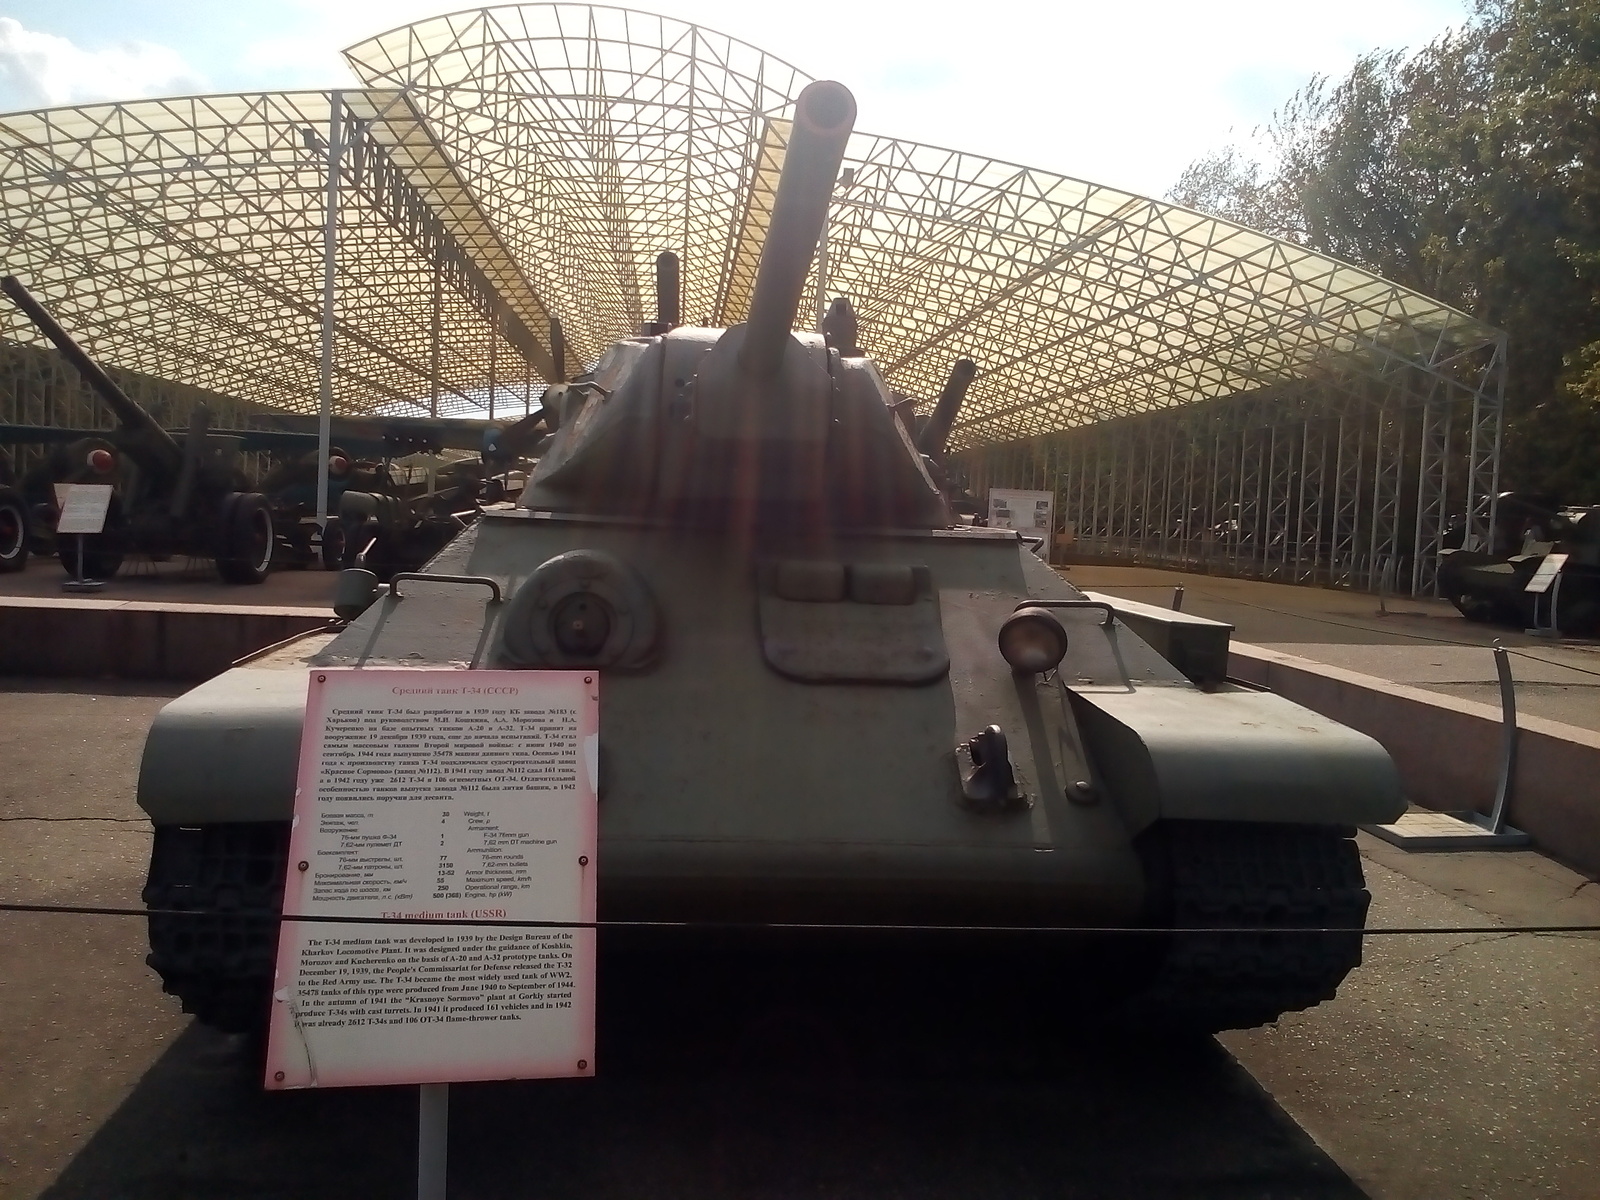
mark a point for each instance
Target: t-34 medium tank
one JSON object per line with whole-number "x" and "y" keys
{"x": 824, "y": 705}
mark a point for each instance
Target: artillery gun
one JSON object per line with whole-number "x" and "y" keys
{"x": 403, "y": 525}
{"x": 169, "y": 497}
{"x": 845, "y": 743}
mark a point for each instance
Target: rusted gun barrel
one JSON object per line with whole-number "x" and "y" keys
{"x": 937, "y": 431}
{"x": 824, "y": 115}
{"x": 129, "y": 415}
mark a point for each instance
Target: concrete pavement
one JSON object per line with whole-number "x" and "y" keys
{"x": 1449, "y": 1066}
{"x": 1425, "y": 643}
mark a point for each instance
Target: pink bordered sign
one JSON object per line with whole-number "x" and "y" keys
{"x": 440, "y": 797}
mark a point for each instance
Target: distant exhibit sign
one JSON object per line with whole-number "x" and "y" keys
{"x": 83, "y": 507}
{"x": 440, "y": 797}
{"x": 1029, "y": 512}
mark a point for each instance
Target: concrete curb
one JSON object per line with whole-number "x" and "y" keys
{"x": 69, "y": 637}
{"x": 1448, "y": 750}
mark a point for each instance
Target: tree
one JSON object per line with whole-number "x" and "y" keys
{"x": 1469, "y": 171}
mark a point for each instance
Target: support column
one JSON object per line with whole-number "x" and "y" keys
{"x": 494, "y": 343}
{"x": 435, "y": 334}
{"x": 1389, "y": 451}
{"x": 330, "y": 265}
{"x": 1483, "y": 463}
{"x": 1433, "y": 488}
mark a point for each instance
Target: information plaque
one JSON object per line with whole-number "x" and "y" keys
{"x": 1028, "y": 512}
{"x": 440, "y": 797}
{"x": 1546, "y": 574}
{"x": 83, "y": 507}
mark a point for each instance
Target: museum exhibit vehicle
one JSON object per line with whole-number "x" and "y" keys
{"x": 1542, "y": 568}
{"x": 170, "y": 496}
{"x": 834, "y": 721}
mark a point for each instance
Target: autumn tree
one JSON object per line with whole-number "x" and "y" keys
{"x": 1470, "y": 171}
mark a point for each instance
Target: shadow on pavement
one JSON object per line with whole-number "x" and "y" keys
{"x": 781, "y": 1110}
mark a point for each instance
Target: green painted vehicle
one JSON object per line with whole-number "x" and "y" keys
{"x": 843, "y": 736}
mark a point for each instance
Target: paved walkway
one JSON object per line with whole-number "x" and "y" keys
{"x": 1450, "y": 1065}
{"x": 1424, "y": 643}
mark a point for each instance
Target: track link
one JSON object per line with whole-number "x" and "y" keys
{"x": 1216, "y": 874}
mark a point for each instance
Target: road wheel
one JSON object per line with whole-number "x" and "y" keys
{"x": 333, "y": 545}
{"x": 245, "y": 550}
{"x": 13, "y": 531}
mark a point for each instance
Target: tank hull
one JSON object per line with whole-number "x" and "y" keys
{"x": 799, "y": 762}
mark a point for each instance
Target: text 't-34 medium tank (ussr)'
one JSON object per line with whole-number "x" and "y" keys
{"x": 823, "y": 705}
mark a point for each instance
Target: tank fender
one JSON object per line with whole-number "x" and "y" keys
{"x": 1233, "y": 755}
{"x": 226, "y": 751}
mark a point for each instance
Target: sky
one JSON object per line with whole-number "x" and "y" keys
{"x": 1124, "y": 94}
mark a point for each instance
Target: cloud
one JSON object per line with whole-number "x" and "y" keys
{"x": 38, "y": 70}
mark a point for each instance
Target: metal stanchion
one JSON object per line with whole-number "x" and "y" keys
{"x": 1177, "y": 598}
{"x": 79, "y": 583}
{"x": 1508, "y": 740}
{"x": 1467, "y": 829}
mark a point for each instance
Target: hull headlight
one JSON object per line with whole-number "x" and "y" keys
{"x": 1033, "y": 641}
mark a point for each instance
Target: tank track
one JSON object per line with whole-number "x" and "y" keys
{"x": 1205, "y": 874}
{"x": 219, "y": 963}
{"x": 1233, "y": 874}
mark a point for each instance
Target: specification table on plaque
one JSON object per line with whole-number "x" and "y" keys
{"x": 436, "y": 797}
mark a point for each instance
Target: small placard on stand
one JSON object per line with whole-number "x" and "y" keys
{"x": 1542, "y": 578}
{"x": 84, "y": 507}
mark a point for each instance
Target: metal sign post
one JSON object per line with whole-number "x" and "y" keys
{"x": 433, "y": 1140}
{"x": 1546, "y": 581}
{"x": 83, "y": 513}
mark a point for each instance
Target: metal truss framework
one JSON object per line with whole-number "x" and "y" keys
{"x": 183, "y": 239}
{"x": 1356, "y": 481}
{"x": 40, "y": 388}
{"x": 499, "y": 167}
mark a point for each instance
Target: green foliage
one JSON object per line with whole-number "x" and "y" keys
{"x": 1470, "y": 171}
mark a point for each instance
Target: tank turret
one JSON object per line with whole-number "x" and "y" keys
{"x": 756, "y": 426}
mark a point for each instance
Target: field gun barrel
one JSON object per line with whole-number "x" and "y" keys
{"x": 824, "y": 116}
{"x": 131, "y": 417}
{"x": 936, "y": 432}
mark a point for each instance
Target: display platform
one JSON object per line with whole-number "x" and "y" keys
{"x": 171, "y": 620}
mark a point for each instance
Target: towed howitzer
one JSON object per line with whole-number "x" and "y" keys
{"x": 169, "y": 497}
{"x": 845, "y": 743}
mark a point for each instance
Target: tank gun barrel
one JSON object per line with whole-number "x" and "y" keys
{"x": 824, "y": 116}
{"x": 936, "y": 432}
{"x": 558, "y": 350}
{"x": 129, "y": 415}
